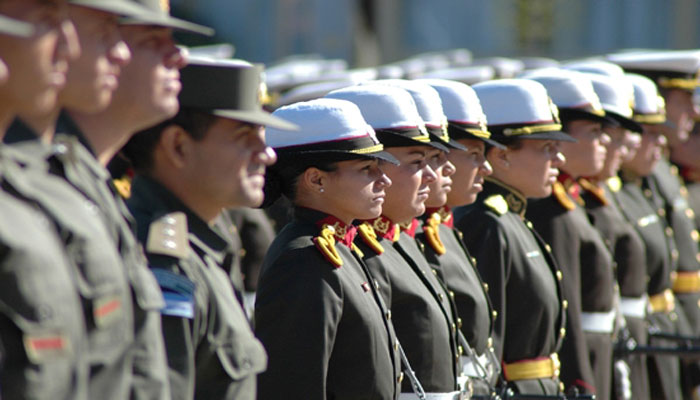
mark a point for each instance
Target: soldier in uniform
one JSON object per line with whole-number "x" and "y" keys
{"x": 628, "y": 192}
{"x": 619, "y": 236}
{"x": 578, "y": 247}
{"x": 318, "y": 312}
{"x": 444, "y": 248}
{"x": 42, "y": 330}
{"x": 209, "y": 156}
{"x": 421, "y": 307}
{"x": 676, "y": 75}
{"x": 523, "y": 279}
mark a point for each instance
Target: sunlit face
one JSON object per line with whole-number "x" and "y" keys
{"x": 405, "y": 198}
{"x": 617, "y": 151}
{"x": 150, "y": 84}
{"x": 586, "y": 156}
{"x": 442, "y": 186}
{"x": 94, "y": 76}
{"x": 37, "y": 65}
{"x": 648, "y": 153}
{"x": 227, "y": 166}
{"x": 355, "y": 189}
{"x": 470, "y": 169}
{"x": 531, "y": 168}
{"x": 680, "y": 114}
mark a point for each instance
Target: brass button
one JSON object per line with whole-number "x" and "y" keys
{"x": 661, "y": 212}
{"x": 460, "y": 350}
{"x": 400, "y": 378}
{"x": 674, "y": 254}
{"x": 459, "y": 323}
{"x": 396, "y": 345}
{"x": 565, "y": 304}
{"x": 435, "y": 272}
{"x": 494, "y": 314}
{"x": 560, "y": 276}
{"x": 489, "y": 342}
{"x": 388, "y": 315}
{"x": 548, "y": 248}
{"x": 454, "y": 328}
{"x": 441, "y": 297}
{"x": 668, "y": 231}
{"x": 528, "y": 224}
{"x": 562, "y": 332}
{"x": 422, "y": 246}
{"x": 695, "y": 235}
{"x": 689, "y": 213}
{"x": 452, "y": 294}
{"x": 376, "y": 284}
{"x": 474, "y": 261}
{"x": 647, "y": 193}
{"x": 486, "y": 287}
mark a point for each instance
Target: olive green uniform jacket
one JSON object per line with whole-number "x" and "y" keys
{"x": 42, "y": 327}
{"x": 523, "y": 278}
{"x": 319, "y": 315}
{"x": 212, "y": 352}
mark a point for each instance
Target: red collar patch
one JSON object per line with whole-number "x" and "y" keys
{"x": 385, "y": 228}
{"x": 410, "y": 227}
{"x": 445, "y": 213}
{"x": 343, "y": 233}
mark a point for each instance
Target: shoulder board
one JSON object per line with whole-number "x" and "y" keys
{"x": 615, "y": 184}
{"x": 497, "y": 203}
{"x": 168, "y": 236}
{"x": 560, "y": 194}
{"x": 325, "y": 243}
{"x": 369, "y": 236}
{"x": 594, "y": 190}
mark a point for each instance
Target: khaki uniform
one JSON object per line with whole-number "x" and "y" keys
{"x": 524, "y": 287}
{"x": 100, "y": 274}
{"x": 42, "y": 329}
{"x": 321, "y": 318}
{"x": 76, "y": 163}
{"x": 212, "y": 353}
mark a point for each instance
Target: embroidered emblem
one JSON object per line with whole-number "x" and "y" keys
{"x": 325, "y": 243}
{"x": 432, "y": 234}
{"x": 562, "y": 197}
{"x": 369, "y": 236}
{"x": 515, "y": 204}
{"x": 381, "y": 225}
{"x": 497, "y": 204}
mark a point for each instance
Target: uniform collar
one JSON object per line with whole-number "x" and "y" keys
{"x": 66, "y": 125}
{"x": 591, "y": 186}
{"x": 445, "y": 213}
{"x": 385, "y": 228}
{"x": 342, "y": 232}
{"x": 628, "y": 176}
{"x": 517, "y": 203}
{"x": 157, "y": 197}
{"x": 571, "y": 185}
{"x": 410, "y": 227}
{"x": 19, "y": 132}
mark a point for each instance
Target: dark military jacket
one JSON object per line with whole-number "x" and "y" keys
{"x": 212, "y": 352}
{"x": 420, "y": 307}
{"x": 672, "y": 198}
{"x": 256, "y": 233}
{"x": 42, "y": 328}
{"x": 72, "y": 160}
{"x": 523, "y": 279}
{"x": 447, "y": 254}
{"x": 321, "y": 319}
{"x": 101, "y": 277}
{"x": 660, "y": 257}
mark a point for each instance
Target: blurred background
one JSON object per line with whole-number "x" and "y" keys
{"x": 375, "y": 32}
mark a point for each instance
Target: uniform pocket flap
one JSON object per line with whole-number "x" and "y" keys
{"x": 242, "y": 359}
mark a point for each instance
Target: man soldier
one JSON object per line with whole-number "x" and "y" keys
{"x": 576, "y": 244}
{"x": 676, "y": 75}
{"x": 211, "y": 155}
{"x": 421, "y": 308}
{"x": 119, "y": 289}
{"x": 465, "y": 169}
{"x": 42, "y": 329}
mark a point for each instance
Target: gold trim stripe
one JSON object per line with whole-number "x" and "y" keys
{"x": 528, "y": 130}
{"x": 678, "y": 83}
{"x": 685, "y": 282}
{"x": 422, "y": 138}
{"x": 663, "y": 302}
{"x": 480, "y": 133}
{"x": 533, "y": 369}
{"x": 367, "y": 150}
{"x": 649, "y": 118}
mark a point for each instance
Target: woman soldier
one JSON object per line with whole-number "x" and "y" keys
{"x": 661, "y": 255}
{"x": 317, "y": 312}
{"x": 421, "y": 308}
{"x": 444, "y": 249}
{"x": 522, "y": 276}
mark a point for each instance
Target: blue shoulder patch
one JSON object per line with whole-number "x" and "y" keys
{"x": 178, "y": 292}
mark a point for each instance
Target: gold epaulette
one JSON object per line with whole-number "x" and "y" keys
{"x": 369, "y": 236}
{"x": 432, "y": 234}
{"x": 562, "y": 197}
{"x": 497, "y": 203}
{"x": 596, "y": 191}
{"x": 123, "y": 186}
{"x": 325, "y": 243}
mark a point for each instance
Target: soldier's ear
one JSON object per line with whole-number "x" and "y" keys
{"x": 312, "y": 180}
{"x": 173, "y": 146}
{"x": 499, "y": 158}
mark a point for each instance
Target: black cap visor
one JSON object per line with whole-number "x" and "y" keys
{"x": 462, "y": 131}
{"x": 573, "y": 114}
{"x": 340, "y": 150}
{"x": 625, "y": 122}
{"x": 407, "y": 137}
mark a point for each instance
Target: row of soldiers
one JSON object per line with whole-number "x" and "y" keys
{"x": 446, "y": 242}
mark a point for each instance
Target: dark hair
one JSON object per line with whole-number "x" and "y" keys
{"x": 513, "y": 143}
{"x": 282, "y": 178}
{"x": 139, "y": 149}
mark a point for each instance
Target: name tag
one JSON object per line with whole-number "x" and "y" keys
{"x": 178, "y": 293}
{"x": 533, "y": 254}
{"x": 648, "y": 220}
